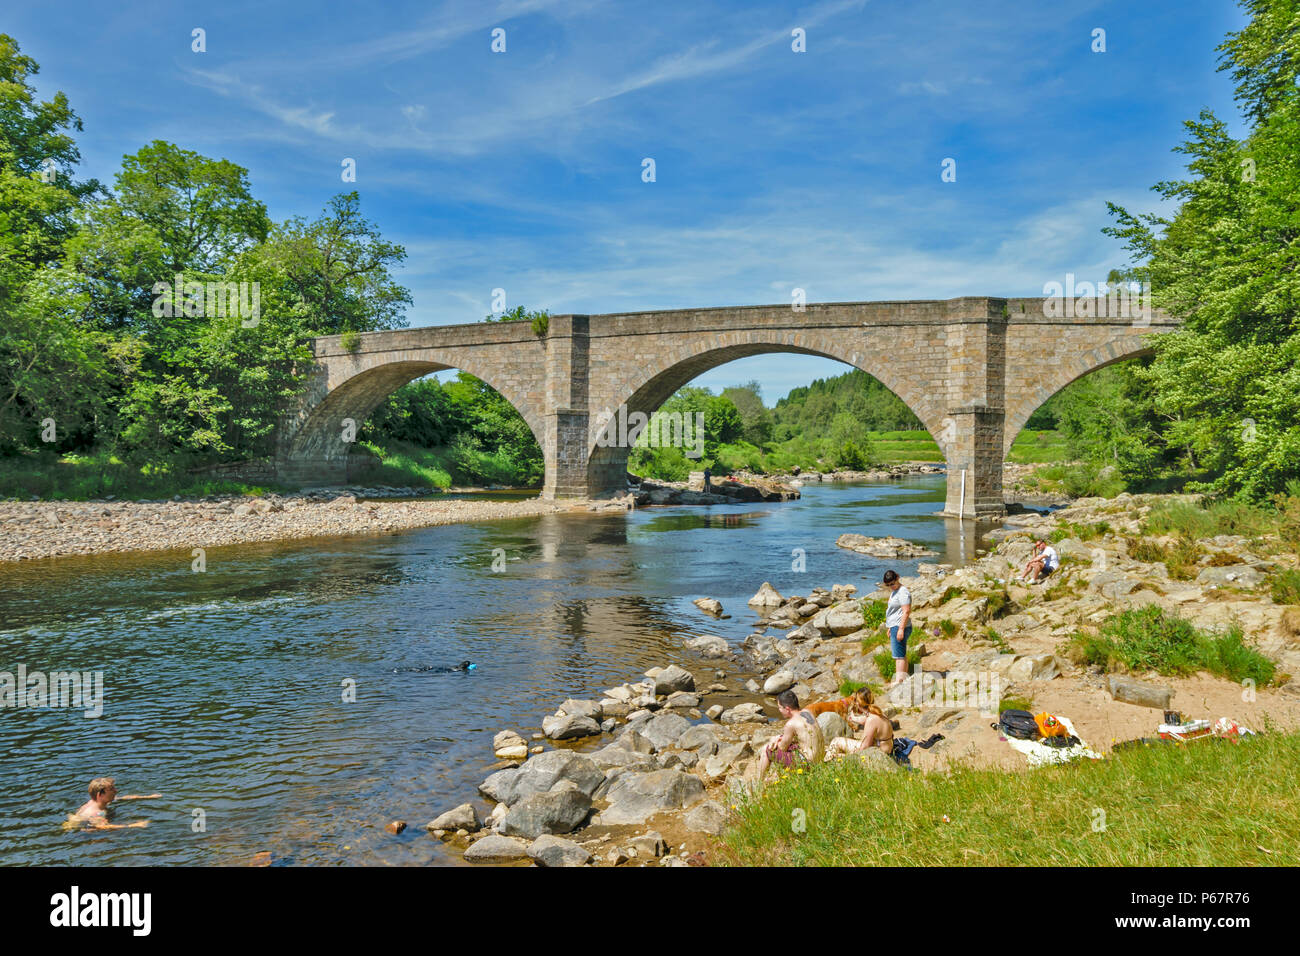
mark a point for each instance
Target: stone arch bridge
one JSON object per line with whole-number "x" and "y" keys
{"x": 972, "y": 369}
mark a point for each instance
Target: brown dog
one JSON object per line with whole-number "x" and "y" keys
{"x": 840, "y": 707}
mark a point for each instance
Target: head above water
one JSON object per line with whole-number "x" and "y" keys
{"x": 101, "y": 785}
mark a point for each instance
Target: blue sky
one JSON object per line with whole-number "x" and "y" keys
{"x": 774, "y": 169}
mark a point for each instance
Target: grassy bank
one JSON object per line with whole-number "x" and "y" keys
{"x": 1203, "y": 804}
{"x": 82, "y": 477}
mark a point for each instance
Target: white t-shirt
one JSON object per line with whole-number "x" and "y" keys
{"x": 897, "y": 601}
{"x": 1050, "y": 558}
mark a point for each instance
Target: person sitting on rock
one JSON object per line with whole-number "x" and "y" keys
{"x": 94, "y": 813}
{"x": 1041, "y": 563}
{"x": 801, "y": 739}
{"x": 877, "y": 731}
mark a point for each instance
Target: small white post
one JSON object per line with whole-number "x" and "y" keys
{"x": 961, "y": 508}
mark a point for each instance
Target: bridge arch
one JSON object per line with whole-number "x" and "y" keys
{"x": 680, "y": 362}
{"x": 1024, "y": 398}
{"x": 350, "y": 386}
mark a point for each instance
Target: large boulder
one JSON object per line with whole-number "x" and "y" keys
{"x": 709, "y": 645}
{"x": 743, "y": 714}
{"x": 725, "y": 760}
{"x": 702, "y": 738}
{"x": 767, "y": 596}
{"x": 615, "y": 756}
{"x": 861, "y": 670}
{"x": 635, "y": 798}
{"x": 495, "y": 848}
{"x": 553, "y": 851}
{"x": 463, "y": 817}
{"x": 673, "y": 678}
{"x": 1034, "y": 667}
{"x": 1130, "y": 691}
{"x": 498, "y": 783}
{"x": 833, "y": 725}
{"x": 709, "y": 606}
{"x": 781, "y": 680}
{"x": 663, "y": 730}
{"x": 560, "y": 810}
{"x": 709, "y": 817}
{"x": 569, "y": 726}
{"x": 544, "y": 771}
{"x": 582, "y": 708}
{"x": 839, "y": 619}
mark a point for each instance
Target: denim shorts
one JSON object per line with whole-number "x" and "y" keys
{"x": 899, "y": 648}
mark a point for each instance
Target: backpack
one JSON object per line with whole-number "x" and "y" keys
{"x": 1017, "y": 723}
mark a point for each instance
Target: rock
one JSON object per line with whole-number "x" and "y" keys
{"x": 616, "y": 856}
{"x": 887, "y": 547}
{"x": 497, "y": 783}
{"x": 634, "y": 798}
{"x": 543, "y": 773}
{"x": 396, "y": 827}
{"x": 833, "y": 725}
{"x": 709, "y": 817}
{"x": 553, "y": 851}
{"x": 1034, "y": 667}
{"x": 1130, "y": 691}
{"x": 681, "y": 700}
{"x": 649, "y": 845}
{"x": 875, "y": 759}
{"x": 709, "y": 646}
{"x": 708, "y": 606}
{"x": 497, "y": 849}
{"x": 1232, "y": 576}
{"x": 861, "y": 670}
{"x": 703, "y": 738}
{"x": 673, "y": 678}
{"x": 559, "y": 810}
{"x": 463, "y": 817}
{"x": 839, "y": 619}
{"x": 508, "y": 745}
{"x": 767, "y": 596}
{"x": 614, "y": 756}
{"x": 753, "y": 686}
{"x": 743, "y": 713}
{"x": 728, "y": 755}
{"x": 636, "y": 742}
{"x": 581, "y": 708}
{"x": 781, "y": 680}
{"x": 569, "y": 727}
{"x": 664, "y": 730}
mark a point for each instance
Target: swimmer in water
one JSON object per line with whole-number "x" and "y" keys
{"x": 462, "y": 667}
{"x": 95, "y": 811}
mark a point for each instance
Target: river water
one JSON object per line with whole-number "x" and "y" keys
{"x": 224, "y": 690}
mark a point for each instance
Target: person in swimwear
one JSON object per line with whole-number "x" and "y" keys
{"x": 877, "y": 731}
{"x": 95, "y": 811}
{"x": 801, "y": 739}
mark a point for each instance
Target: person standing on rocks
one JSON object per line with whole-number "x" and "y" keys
{"x": 801, "y": 739}
{"x": 898, "y": 620}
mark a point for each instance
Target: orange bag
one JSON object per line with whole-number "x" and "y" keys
{"x": 1049, "y": 726}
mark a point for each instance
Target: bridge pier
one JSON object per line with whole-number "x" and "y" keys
{"x": 975, "y": 452}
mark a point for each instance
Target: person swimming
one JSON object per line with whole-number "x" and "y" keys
{"x": 464, "y": 667}
{"x": 94, "y": 813}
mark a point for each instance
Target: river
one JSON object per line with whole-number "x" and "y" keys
{"x": 224, "y": 690}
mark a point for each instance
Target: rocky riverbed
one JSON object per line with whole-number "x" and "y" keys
{"x": 647, "y": 773}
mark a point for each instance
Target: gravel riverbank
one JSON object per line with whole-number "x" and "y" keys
{"x": 36, "y": 530}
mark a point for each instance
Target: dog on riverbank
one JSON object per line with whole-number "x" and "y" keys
{"x": 840, "y": 707}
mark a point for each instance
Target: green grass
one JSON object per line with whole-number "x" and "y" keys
{"x": 1286, "y": 587}
{"x": 1014, "y": 702}
{"x": 997, "y": 640}
{"x": 1033, "y": 448}
{"x": 1152, "y": 639}
{"x": 884, "y": 659}
{"x": 1079, "y": 530}
{"x": 1181, "y": 558}
{"x": 850, "y": 686}
{"x": 404, "y": 464}
{"x": 74, "y": 477}
{"x": 1162, "y": 805}
{"x": 873, "y": 613}
{"x": 1207, "y": 519}
{"x": 949, "y": 628}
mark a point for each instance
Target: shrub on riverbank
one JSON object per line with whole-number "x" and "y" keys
{"x": 1152, "y": 639}
{"x": 1161, "y": 805}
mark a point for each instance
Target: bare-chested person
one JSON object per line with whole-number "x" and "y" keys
{"x": 877, "y": 731}
{"x": 95, "y": 811}
{"x": 801, "y": 739}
